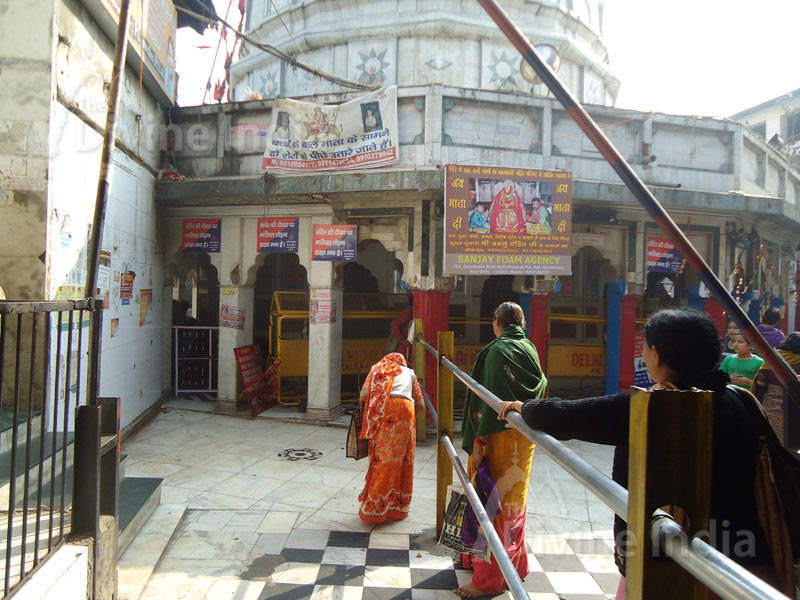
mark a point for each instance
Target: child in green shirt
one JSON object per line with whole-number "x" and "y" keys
{"x": 743, "y": 366}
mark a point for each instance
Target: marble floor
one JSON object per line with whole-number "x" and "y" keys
{"x": 246, "y": 501}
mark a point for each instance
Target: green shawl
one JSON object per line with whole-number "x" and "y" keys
{"x": 508, "y": 366}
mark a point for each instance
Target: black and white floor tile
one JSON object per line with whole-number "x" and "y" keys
{"x": 390, "y": 566}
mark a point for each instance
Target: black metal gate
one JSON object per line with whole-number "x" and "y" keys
{"x": 51, "y": 480}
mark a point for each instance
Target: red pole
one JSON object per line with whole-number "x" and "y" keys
{"x": 645, "y": 197}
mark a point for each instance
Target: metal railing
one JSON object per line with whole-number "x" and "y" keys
{"x": 43, "y": 380}
{"x": 709, "y": 566}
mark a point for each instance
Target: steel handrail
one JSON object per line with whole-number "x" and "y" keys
{"x": 498, "y": 550}
{"x": 609, "y": 491}
{"x": 779, "y": 366}
{"x": 707, "y": 564}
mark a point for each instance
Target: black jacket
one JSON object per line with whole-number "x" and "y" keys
{"x": 604, "y": 420}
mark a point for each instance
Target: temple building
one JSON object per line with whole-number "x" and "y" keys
{"x": 462, "y": 99}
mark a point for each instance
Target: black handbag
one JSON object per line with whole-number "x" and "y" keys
{"x": 356, "y": 447}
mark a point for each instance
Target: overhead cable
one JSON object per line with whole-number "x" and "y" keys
{"x": 282, "y": 55}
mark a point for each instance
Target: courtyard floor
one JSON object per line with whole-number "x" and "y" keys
{"x": 266, "y": 508}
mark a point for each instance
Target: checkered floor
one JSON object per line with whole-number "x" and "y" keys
{"x": 384, "y": 566}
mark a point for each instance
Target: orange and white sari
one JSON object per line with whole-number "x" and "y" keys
{"x": 389, "y": 425}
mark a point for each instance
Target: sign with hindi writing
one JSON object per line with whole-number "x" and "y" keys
{"x": 278, "y": 234}
{"x": 305, "y": 136}
{"x": 334, "y": 242}
{"x": 662, "y": 257}
{"x": 201, "y": 235}
{"x": 507, "y": 221}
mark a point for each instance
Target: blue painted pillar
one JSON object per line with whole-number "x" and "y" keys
{"x": 696, "y": 301}
{"x": 525, "y": 304}
{"x": 615, "y": 292}
{"x": 754, "y": 311}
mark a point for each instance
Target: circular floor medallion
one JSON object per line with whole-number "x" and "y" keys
{"x": 300, "y": 454}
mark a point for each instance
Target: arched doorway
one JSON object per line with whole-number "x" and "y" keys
{"x": 372, "y": 312}
{"x": 496, "y": 290}
{"x": 195, "y": 325}
{"x": 276, "y": 272}
{"x": 195, "y": 291}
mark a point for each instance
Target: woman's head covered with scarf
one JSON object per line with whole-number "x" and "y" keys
{"x": 379, "y": 386}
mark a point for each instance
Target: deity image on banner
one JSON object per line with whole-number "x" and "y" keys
{"x": 506, "y": 210}
{"x": 321, "y": 125}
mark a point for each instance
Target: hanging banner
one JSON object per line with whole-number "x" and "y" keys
{"x": 201, "y": 235}
{"x": 334, "y": 242}
{"x": 305, "y": 136}
{"x": 507, "y": 221}
{"x": 662, "y": 257}
{"x": 278, "y": 234}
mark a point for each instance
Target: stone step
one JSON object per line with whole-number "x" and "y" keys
{"x": 7, "y": 434}
{"x": 138, "y": 498}
{"x": 33, "y": 459}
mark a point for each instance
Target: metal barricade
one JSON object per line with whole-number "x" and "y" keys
{"x": 366, "y": 319}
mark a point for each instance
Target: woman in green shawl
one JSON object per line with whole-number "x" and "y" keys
{"x": 508, "y": 367}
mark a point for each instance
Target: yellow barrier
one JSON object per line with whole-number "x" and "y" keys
{"x": 363, "y": 313}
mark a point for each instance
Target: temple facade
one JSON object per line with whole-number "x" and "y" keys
{"x": 462, "y": 99}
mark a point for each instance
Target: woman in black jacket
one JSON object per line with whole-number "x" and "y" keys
{"x": 682, "y": 351}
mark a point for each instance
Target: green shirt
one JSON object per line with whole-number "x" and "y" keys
{"x": 508, "y": 366}
{"x": 732, "y": 364}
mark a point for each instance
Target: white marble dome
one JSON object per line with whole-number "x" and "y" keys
{"x": 419, "y": 42}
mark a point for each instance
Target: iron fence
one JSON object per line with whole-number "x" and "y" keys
{"x": 45, "y": 372}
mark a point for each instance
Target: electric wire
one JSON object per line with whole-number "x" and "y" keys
{"x": 282, "y": 55}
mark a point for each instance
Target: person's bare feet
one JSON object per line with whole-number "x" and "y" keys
{"x": 469, "y": 591}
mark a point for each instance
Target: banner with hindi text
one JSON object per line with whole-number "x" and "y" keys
{"x": 305, "y": 136}
{"x": 507, "y": 221}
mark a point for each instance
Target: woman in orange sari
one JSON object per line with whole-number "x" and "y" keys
{"x": 390, "y": 396}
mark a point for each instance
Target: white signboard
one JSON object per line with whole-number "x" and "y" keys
{"x": 305, "y": 136}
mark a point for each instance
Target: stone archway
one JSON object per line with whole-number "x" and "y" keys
{"x": 376, "y": 270}
{"x": 195, "y": 290}
{"x": 273, "y": 273}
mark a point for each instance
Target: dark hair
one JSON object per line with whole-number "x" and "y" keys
{"x": 771, "y": 316}
{"x": 509, "y": 313}
{"x": 791, "y": 343}
{"x": 688, "y": 343}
